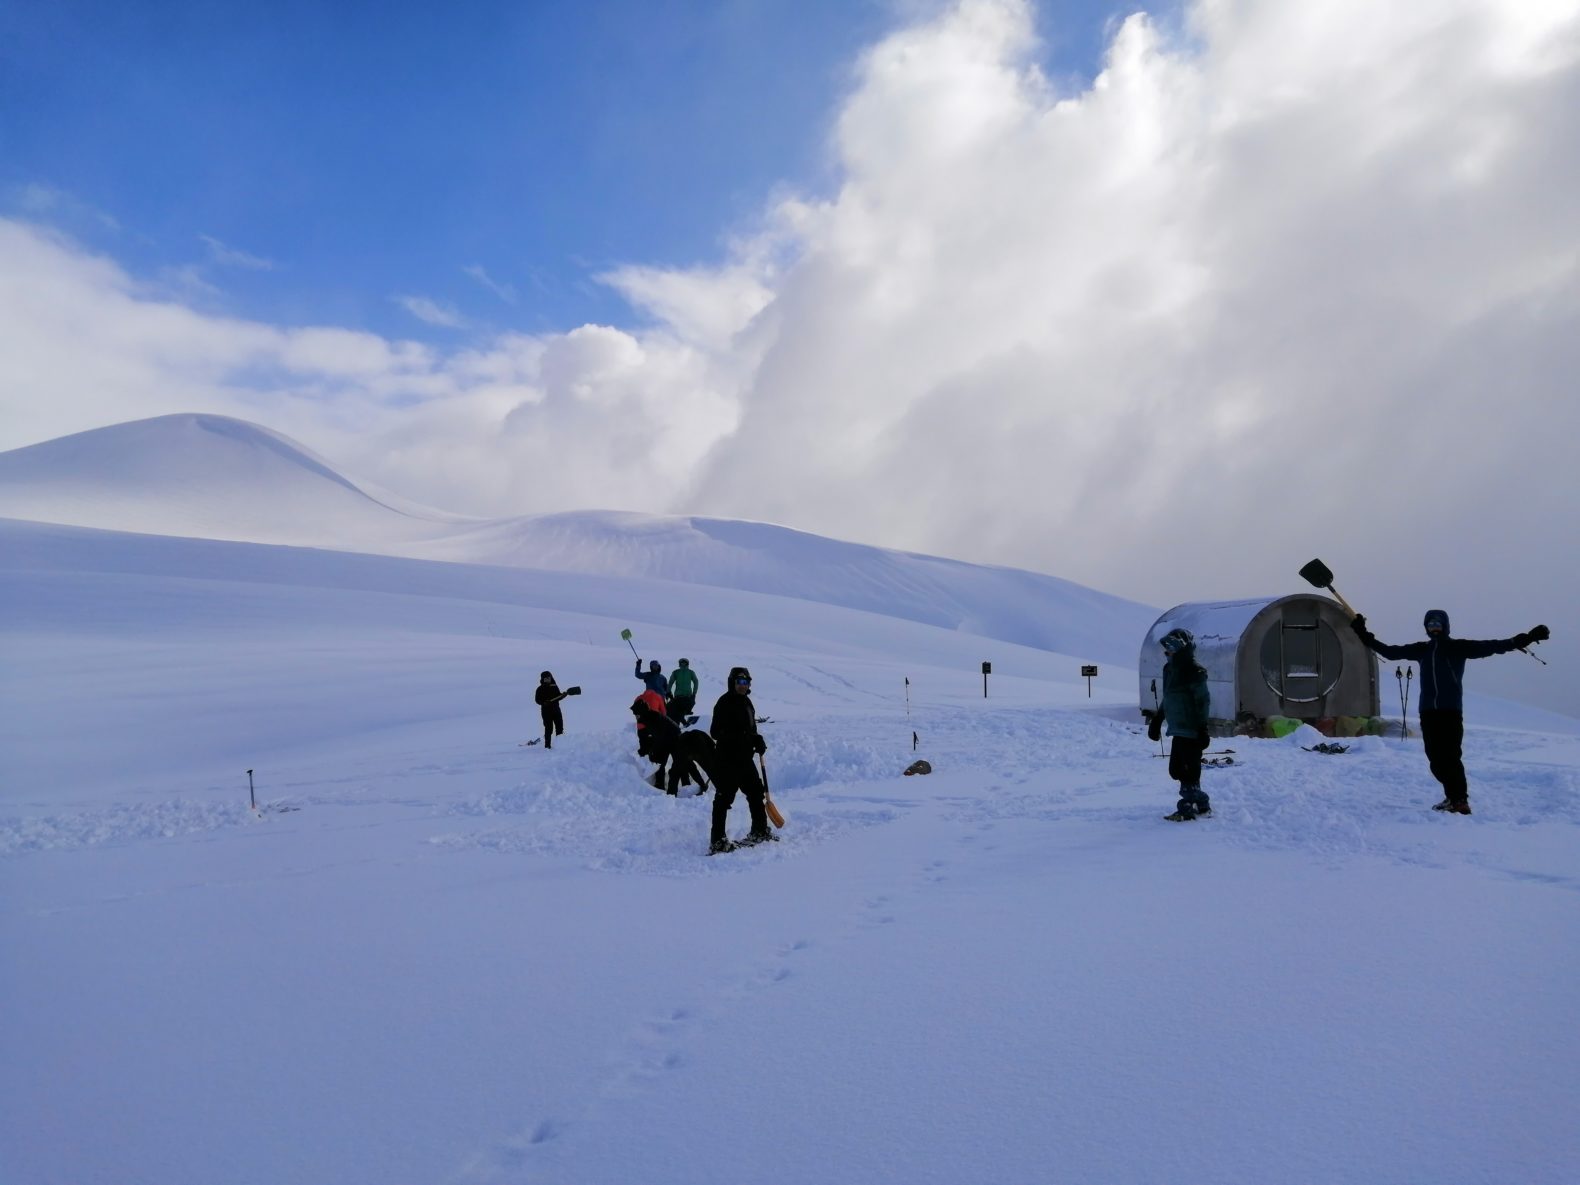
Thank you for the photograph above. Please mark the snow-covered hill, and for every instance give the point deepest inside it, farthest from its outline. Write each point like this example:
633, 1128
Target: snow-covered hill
218, 478
208, 477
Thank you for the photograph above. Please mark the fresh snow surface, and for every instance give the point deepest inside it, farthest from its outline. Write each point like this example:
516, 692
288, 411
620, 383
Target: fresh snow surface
436, 956
214, 477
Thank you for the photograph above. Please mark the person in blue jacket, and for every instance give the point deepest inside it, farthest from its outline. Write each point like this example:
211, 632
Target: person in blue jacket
653, 678
1442, 659
1185, 710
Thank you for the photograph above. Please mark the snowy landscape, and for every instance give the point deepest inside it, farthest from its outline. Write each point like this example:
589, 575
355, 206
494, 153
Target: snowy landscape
432, 953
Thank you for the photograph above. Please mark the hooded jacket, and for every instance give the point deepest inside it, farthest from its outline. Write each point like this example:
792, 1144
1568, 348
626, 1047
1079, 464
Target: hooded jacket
548, 692
734, 723
1441, 659
1186, 700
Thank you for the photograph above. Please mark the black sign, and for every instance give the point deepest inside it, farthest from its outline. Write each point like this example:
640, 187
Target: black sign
1089, 672
987, 668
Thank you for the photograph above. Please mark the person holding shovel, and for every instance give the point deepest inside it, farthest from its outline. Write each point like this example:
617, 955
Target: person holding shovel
548, 697
1442, 659
737, 742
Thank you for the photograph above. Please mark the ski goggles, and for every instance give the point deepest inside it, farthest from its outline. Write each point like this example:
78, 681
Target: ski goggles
743, 681
1172, 643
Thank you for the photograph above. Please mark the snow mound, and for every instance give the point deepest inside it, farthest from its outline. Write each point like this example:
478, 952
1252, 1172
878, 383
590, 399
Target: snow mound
204, 476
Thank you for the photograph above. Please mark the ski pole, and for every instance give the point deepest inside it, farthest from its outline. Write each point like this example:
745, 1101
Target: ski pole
1158, 704
1409, 677
1534, 655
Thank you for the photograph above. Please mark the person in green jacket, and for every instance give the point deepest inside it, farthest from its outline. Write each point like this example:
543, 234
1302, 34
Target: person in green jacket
682, 691
1185, 710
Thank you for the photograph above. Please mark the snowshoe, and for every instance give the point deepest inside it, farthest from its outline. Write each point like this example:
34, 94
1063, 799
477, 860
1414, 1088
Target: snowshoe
1453, 808
752, 838
1181, 817
721, 845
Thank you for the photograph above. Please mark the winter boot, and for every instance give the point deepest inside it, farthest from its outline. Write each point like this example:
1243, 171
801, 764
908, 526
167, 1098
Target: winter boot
1446, 805
1199, 802
721, 845
1183, 815
754, 837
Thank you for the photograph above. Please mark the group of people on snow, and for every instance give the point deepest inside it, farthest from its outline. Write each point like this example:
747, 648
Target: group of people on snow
1442, 657
726, 756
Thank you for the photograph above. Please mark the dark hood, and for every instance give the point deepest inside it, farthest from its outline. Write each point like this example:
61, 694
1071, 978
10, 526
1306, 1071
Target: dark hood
1441, 615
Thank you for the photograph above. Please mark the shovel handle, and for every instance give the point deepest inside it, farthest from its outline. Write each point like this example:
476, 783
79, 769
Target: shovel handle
1350, 609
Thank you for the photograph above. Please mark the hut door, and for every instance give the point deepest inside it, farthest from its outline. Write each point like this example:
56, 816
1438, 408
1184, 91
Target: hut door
1301, 656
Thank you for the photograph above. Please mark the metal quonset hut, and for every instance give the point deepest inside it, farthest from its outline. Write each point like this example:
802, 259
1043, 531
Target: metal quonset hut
1290, 656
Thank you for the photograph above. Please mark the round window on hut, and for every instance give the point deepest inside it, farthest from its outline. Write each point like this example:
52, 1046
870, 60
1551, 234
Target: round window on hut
1301, 656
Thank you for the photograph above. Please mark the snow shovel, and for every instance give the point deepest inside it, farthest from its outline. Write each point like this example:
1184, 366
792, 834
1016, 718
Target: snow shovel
775, 815
626, 634
1320, 575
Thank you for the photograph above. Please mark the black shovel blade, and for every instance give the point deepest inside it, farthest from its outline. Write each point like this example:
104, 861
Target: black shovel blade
1318, 574
573, 691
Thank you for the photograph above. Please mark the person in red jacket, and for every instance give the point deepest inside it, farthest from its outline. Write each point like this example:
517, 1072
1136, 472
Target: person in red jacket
654, 701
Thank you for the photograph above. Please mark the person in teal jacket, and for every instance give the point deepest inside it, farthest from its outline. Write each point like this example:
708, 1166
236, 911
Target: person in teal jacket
682, 691
1185, 710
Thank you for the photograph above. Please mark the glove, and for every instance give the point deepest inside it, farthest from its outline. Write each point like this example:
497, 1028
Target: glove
1155, 727
1540, 634
1359, 624
759, 745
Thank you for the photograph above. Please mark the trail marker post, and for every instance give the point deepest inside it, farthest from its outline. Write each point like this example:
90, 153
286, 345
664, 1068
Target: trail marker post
987, 669
1088, 673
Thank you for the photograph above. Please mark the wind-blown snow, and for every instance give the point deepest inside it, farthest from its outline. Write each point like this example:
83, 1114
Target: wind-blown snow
435, 955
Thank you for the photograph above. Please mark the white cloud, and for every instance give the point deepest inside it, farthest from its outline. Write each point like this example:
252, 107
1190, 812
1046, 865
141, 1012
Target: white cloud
1301, 279
227, 256
431, 312
505, 292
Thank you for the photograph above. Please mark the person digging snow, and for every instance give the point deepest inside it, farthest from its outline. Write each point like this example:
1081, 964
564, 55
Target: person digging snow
1442, 659
682, 692
737, 741
1185, 711
653, 678
548, 697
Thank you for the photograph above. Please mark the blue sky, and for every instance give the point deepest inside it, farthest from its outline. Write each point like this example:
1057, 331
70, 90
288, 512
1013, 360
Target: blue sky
365, 152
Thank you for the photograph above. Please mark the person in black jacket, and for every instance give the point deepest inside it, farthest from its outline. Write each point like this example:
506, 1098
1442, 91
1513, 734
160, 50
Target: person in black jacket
1442, 660
548, 697
736, 742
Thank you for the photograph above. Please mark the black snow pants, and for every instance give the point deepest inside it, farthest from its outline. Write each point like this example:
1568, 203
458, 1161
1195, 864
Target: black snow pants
1443, 731
737, 773
1185, 768
553, 724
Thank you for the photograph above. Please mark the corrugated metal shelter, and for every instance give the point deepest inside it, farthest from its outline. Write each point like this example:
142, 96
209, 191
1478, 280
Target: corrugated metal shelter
1277, 656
